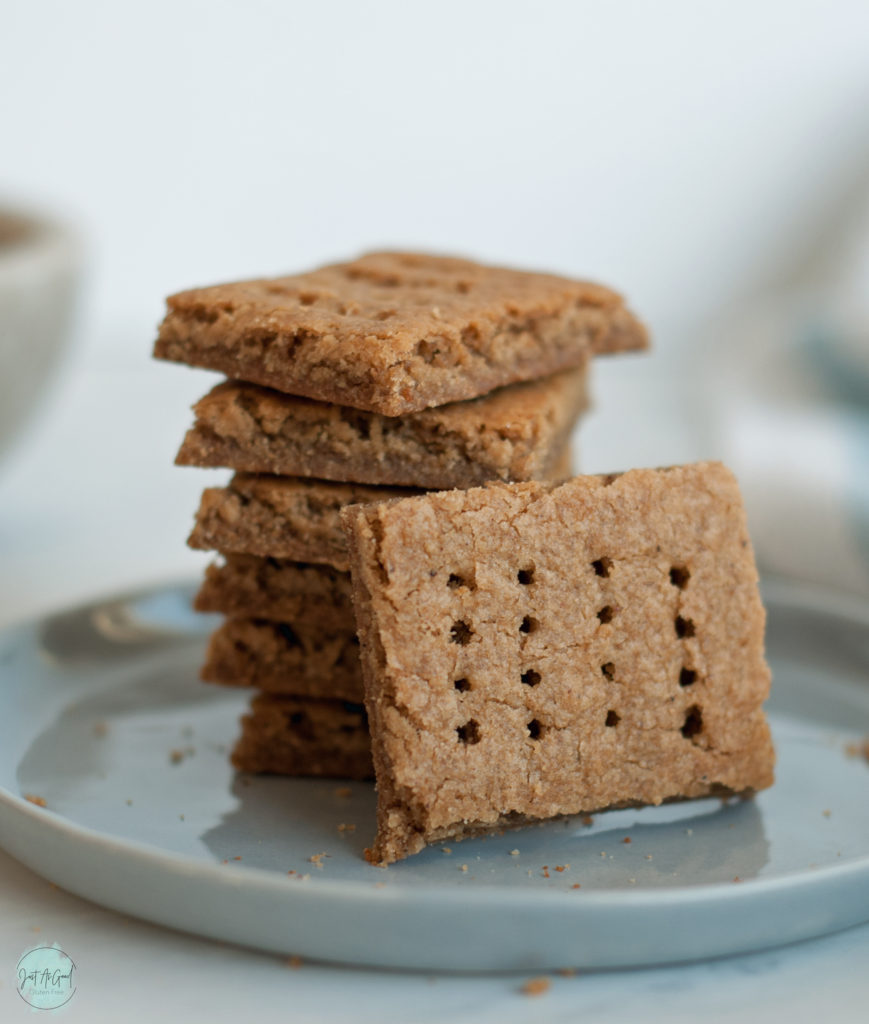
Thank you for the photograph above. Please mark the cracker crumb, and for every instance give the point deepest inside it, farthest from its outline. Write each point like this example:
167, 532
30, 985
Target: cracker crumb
446, 849
736, 878
576, 885
380, 885
128, 802
826, 813
343, 791
346, 828
464, 867
237, 858
689, 831
100, 728
562, 867
627, 839
859, 749
603, 853
648, 856
633, 881
545, 870
295, 962
566, 972
587, 819
317, 859
514, 853
536, 986
176, 756
181, 817
34, 799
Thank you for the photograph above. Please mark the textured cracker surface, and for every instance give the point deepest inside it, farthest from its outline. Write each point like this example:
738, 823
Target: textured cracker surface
250, 586
304, 736
277, 657
396, 332
514, 433
532, 650
292, 518
281, 517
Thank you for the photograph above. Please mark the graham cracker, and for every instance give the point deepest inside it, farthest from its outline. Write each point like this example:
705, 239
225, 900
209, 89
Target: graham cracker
297, 659
515, 433
533, 650
251, 586
293, 518
304, 736
395, 332
281, 517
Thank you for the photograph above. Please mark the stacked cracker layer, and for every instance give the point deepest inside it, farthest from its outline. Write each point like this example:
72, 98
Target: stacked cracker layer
358, 383
366, 404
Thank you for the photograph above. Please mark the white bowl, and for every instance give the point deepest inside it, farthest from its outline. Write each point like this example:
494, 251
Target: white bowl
40, 262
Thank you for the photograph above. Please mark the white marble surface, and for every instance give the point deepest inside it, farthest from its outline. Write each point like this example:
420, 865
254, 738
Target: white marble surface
136, 972
89, 503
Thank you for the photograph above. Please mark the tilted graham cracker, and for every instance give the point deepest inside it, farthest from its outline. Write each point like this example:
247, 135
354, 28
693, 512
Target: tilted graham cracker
533, 650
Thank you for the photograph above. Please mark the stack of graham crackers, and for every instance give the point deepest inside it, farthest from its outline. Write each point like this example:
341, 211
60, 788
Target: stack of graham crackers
530, 646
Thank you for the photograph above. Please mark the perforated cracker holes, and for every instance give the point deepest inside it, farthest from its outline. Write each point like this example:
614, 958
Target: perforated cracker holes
469, 733
456, 580
602, 566
461, 633
693, 724
679, 576
684, 627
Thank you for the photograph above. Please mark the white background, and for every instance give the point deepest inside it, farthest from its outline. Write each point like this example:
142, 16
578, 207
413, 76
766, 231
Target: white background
691, 154
683, 151
694, 155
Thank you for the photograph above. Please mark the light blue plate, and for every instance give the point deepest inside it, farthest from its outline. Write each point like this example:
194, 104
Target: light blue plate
96, 700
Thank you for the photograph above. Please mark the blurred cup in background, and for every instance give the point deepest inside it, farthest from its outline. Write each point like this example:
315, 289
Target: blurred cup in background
40, 269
